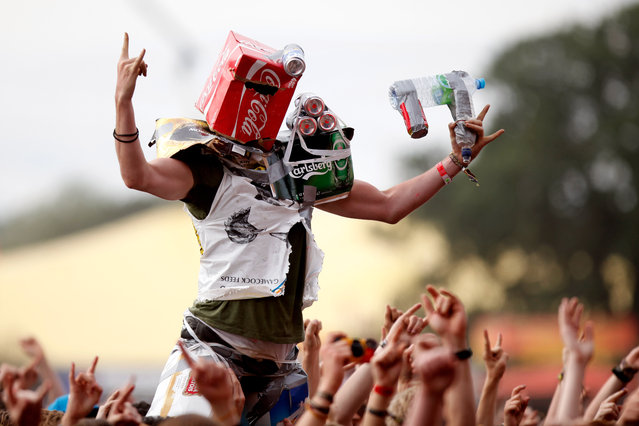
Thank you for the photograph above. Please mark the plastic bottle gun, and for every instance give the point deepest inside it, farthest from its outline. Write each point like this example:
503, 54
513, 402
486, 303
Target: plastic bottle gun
454, 89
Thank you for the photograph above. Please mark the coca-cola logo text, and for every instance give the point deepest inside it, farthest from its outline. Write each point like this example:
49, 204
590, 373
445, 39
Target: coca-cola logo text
257, 115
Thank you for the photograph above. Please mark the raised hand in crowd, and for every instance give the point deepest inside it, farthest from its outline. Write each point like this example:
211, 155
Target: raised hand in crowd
122, 412
447, 317
515, 406
436, 369
408, 324
531, 417
104, 409
630, 410
580, 346
24, 377
219, 385
84, 394
386, 367
495, 359
391, 314
551, 414
310, 353
335, 353
24, 405
31, 346
609, 410
405, 379
353, 393
623, 374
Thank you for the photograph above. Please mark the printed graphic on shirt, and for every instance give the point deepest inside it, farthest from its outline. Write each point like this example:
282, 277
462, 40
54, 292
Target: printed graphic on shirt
191, 387
280, 236
238, 228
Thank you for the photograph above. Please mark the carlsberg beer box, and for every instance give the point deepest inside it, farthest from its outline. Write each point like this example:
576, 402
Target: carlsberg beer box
332, 180
248, 92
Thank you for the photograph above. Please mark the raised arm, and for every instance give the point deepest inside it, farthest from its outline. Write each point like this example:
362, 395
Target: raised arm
625, 371
495, 360
31, 346
367, 202
164, 177
310, 353
579, 353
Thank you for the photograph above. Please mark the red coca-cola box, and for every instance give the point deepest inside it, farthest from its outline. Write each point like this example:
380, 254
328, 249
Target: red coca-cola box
248, 92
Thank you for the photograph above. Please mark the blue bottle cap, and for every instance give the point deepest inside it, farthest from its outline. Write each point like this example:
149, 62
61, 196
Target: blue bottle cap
480, 83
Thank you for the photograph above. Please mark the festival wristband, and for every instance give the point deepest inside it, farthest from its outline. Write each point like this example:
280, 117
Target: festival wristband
443, 174
384, 390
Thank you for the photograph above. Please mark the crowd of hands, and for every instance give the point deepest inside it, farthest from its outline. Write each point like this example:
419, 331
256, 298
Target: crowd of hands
414, 378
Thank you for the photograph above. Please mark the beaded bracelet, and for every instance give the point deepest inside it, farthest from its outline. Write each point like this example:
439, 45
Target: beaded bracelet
466, 170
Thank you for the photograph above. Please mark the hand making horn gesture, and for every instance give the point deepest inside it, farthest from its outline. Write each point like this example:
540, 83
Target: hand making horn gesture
128, 71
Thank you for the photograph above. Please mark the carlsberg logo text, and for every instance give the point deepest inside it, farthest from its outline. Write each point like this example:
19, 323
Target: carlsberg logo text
310, 169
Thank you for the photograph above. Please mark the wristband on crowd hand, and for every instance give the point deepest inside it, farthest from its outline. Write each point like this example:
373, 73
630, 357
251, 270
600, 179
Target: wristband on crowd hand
134, 136
318, 411
466, 170
464, 354
384, 390
377, 413
325, 395
624, 372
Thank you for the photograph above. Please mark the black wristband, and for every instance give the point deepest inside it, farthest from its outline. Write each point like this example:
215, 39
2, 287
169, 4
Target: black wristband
625, 375
119, 137
327, 396
323, 410
464, 354
378, 413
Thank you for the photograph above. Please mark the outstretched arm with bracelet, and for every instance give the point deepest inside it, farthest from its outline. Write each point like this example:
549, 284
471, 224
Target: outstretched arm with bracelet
367, 202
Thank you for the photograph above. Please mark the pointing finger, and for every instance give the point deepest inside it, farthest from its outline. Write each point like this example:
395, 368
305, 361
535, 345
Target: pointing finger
125, 47
486, 342
427, 304
483, 112
72, 373
615, 396
92, 368
412, 310
138, 60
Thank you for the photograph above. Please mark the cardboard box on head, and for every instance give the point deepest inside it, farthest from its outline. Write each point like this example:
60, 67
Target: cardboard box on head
248, 92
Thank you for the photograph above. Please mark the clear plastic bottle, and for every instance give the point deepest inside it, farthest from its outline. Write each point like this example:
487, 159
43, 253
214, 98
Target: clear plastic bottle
454, 89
